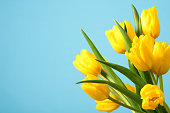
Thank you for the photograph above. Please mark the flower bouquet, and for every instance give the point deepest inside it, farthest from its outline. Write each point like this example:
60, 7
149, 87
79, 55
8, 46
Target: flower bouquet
148, 61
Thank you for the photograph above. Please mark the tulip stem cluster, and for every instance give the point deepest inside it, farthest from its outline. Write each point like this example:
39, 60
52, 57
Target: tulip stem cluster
148, 61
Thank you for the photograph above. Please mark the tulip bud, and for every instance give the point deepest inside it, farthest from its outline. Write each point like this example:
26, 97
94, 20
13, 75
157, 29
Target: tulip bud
150, 22
107, 105
152, 96
161, 58
116, 38
141, 52
96, 91
87, 64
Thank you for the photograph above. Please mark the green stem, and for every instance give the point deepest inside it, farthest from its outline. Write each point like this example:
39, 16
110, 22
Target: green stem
124, 105
101, 76
156, 78
142, 75
146, 76
153, 78
158, 110
150, 111
166, 107
132, 68
161, 83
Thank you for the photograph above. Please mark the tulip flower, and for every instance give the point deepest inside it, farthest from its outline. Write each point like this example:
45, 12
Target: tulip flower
141, 52
150, 22
161, 58
96, 91
107, 105
152, 96
87, 64
116, 39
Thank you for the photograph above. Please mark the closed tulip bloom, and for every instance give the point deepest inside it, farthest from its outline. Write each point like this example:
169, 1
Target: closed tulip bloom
161, 58
131, 88
87, 64
107, 105
150, 22
96, 91
116, 39
152, 96
141, 52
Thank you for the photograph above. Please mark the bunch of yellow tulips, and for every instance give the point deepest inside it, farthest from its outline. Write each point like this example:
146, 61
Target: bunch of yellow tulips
148, 61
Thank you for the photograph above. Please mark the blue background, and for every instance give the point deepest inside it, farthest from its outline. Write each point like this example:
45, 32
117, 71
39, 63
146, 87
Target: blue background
39, 39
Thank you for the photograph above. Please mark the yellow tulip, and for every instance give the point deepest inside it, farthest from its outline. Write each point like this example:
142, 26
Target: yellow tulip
107, 105
131, 88
152, 96
150, 22
141, 52
161, 58
116, 38
86, 63
96, 91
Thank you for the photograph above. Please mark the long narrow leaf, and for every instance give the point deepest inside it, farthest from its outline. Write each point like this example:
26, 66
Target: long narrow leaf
146, 76
128, 42
136, 79
116, 79
121, 89
132, 67
136, 20
124, 105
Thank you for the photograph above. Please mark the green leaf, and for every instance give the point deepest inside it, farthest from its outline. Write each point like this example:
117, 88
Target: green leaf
116, 94
132, 67
146, 76
138, 28
124, 105
121, 89
128, 42
115, 78
136, 79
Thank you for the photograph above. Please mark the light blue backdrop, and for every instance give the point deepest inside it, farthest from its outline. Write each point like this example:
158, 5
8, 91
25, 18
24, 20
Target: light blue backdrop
39, 39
